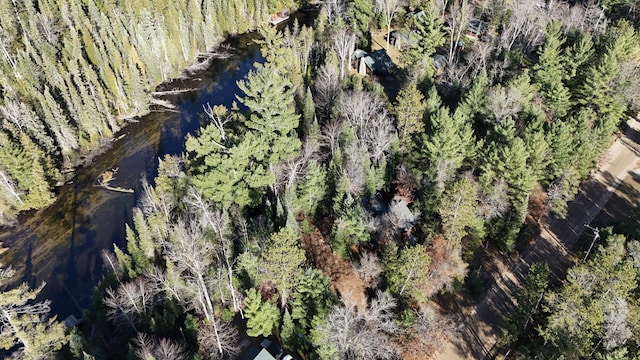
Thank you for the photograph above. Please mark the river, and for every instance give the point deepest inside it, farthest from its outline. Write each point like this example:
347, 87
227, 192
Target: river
61, 244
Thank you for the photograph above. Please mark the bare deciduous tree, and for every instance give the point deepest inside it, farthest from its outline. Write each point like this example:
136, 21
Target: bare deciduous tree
331, 132
151, 348
363, 333
494, 202
380, 135
11, 110
504, 102
354, 170
444, 172
389, 8
525, 25
131, 300
446, 265
369, 268
459, 15
218, 222
229, 340
327, 89
9, 187
5, 47
616, 325
334, 9
48, 27
344, 42
192, 255
219, 117
430, 333
358, 108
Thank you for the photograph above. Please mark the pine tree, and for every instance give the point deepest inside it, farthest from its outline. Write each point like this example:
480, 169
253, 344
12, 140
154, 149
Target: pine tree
311, 297
262, 317
272, 118
577, 57
235, 168
596, 91
430, 34
529, 297
549, 71
458, 210
409, 111
313, 189
562, 142
362, 14
24, 324
406, 271
591, 312
282, 262
450, 140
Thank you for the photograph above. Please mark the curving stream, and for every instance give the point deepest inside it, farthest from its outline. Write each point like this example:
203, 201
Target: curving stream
62, 243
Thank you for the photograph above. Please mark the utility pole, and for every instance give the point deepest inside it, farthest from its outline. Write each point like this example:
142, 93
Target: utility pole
596, 237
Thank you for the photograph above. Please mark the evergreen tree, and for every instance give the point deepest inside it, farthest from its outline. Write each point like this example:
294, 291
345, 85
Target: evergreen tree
409, 111
577, 57
25, 326
313, 189
449, 141
591, 312
529, 297
549, 71
262, 317
282, 262
596, 91
429, 32
268, 95
458, 210
311, 297
235, 168
406, 271
362, 14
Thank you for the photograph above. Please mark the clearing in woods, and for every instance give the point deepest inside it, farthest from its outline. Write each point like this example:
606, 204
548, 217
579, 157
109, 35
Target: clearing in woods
344, 280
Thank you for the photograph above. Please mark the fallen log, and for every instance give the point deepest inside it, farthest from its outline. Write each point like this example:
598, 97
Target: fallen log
173, 92
117, 189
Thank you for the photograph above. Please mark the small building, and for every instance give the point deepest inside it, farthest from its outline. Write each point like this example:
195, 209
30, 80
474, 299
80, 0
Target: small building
439, 62
404, 217
403, 40
476, 29
71, 321
375, 62
268, 350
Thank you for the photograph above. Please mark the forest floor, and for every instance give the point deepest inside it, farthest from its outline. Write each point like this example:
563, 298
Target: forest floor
343, 278
556, 245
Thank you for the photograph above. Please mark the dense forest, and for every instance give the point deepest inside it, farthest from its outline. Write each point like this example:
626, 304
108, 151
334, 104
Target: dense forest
324, 209
73, 73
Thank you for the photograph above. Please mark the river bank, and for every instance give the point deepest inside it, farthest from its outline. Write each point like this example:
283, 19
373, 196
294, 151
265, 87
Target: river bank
61, 244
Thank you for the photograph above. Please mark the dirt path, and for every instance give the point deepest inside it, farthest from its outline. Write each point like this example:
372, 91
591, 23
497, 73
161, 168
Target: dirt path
554, 245
343, 278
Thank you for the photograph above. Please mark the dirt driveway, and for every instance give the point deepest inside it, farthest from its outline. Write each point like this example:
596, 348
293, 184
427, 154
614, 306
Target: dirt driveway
482, 318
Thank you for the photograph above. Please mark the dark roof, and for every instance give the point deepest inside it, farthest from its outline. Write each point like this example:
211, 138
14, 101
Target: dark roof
377, 61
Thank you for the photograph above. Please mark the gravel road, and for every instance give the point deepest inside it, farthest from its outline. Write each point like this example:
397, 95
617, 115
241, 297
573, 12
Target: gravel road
554, 245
